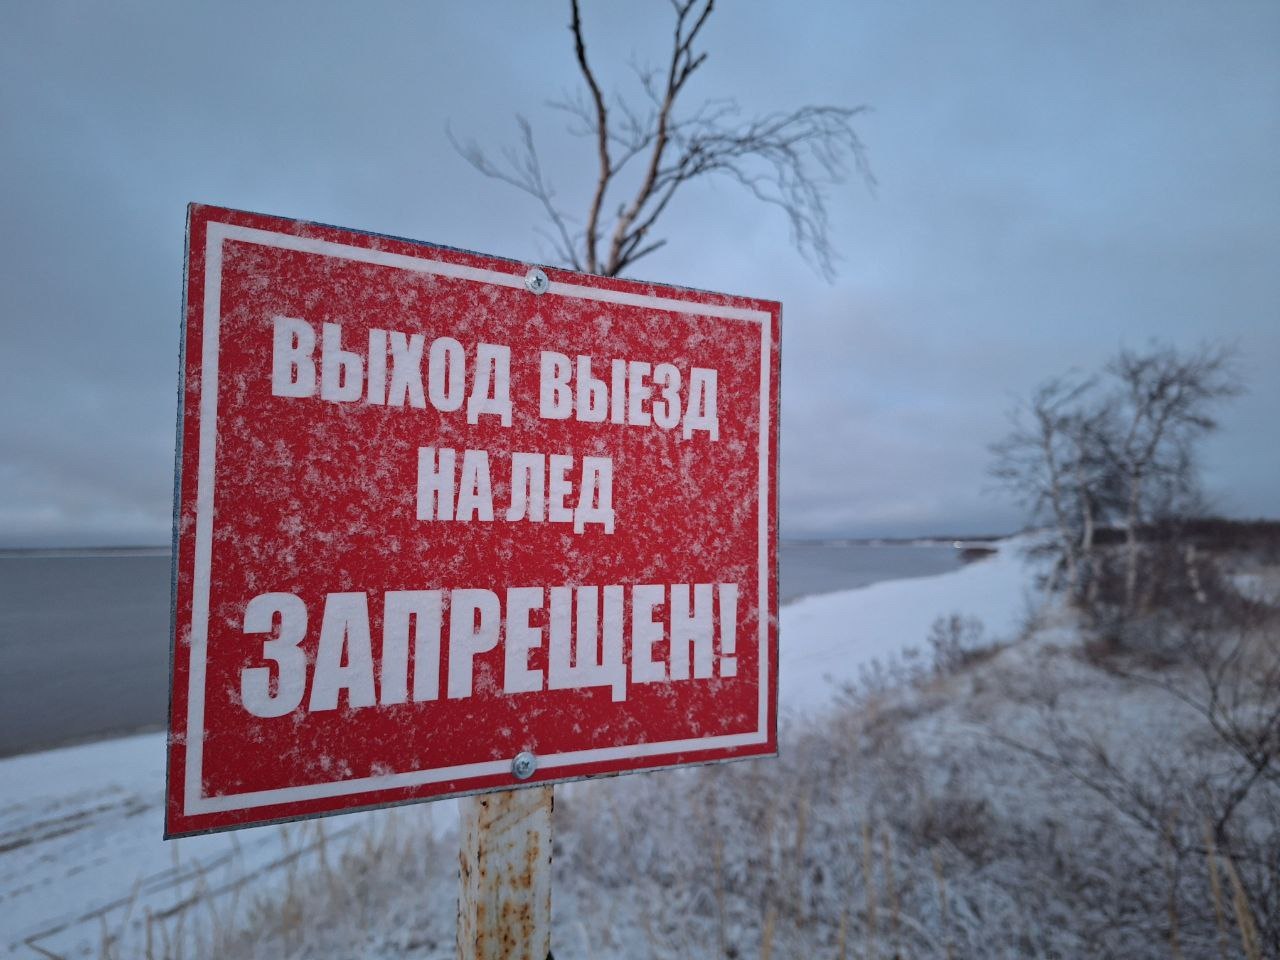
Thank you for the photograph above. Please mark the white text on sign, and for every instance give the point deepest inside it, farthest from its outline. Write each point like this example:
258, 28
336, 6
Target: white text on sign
402, 370
541, 488
584, 629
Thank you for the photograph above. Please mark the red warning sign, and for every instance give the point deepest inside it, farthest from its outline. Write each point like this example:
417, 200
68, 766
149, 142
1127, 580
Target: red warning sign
438, 511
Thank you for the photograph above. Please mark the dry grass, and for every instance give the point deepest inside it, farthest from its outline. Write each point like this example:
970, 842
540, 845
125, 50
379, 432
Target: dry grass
897, 827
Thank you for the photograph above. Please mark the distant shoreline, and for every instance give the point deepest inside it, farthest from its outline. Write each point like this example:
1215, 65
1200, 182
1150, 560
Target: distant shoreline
165, 550
930, 541
72, 552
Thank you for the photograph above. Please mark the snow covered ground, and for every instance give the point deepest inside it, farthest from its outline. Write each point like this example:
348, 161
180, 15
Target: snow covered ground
827, 641
83, 871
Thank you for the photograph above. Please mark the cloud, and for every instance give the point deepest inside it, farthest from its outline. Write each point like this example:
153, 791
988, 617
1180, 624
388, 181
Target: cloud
1055, 181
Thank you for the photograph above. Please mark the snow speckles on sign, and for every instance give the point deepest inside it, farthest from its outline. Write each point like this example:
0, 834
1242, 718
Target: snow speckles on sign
367, 425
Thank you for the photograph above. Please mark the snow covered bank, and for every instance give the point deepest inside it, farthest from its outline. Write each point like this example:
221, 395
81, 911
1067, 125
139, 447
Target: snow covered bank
827, 640
82, 862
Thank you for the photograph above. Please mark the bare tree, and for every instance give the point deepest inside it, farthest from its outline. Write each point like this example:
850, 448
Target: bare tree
1095, 485
1081, 459
1164, 403
786, 159
1050, 463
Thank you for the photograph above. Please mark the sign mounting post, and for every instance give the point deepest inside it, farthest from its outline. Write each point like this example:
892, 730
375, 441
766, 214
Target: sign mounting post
504, 871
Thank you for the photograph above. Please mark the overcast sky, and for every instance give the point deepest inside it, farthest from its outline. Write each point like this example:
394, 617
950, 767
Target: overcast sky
1056, 180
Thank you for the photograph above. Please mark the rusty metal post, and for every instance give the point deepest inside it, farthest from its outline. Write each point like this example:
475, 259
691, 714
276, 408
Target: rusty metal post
504, 900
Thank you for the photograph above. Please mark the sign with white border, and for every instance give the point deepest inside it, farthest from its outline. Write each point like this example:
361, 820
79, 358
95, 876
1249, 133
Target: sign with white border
446, 523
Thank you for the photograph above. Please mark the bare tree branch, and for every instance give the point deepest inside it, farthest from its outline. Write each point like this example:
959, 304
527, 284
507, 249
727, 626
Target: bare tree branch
785, 159
602, 139
683, 63
524, 172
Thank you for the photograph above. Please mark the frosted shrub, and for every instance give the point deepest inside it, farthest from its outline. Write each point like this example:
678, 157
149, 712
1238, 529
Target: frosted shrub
1024, 804
955, 641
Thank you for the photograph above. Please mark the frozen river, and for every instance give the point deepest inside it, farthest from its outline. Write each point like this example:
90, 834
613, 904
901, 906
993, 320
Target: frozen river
84, 639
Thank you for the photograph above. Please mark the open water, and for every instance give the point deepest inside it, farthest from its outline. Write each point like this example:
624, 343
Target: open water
84, 639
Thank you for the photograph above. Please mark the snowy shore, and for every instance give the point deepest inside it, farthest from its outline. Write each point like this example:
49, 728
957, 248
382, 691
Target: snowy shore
81, 859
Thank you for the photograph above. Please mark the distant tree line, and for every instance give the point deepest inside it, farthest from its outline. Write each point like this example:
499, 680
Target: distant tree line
1115, 452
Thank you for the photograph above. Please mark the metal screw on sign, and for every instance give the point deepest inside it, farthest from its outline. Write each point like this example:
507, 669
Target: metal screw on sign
536, 281
523, 765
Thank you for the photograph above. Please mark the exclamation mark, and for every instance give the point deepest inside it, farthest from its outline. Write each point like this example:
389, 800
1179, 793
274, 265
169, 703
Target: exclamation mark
728, 629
